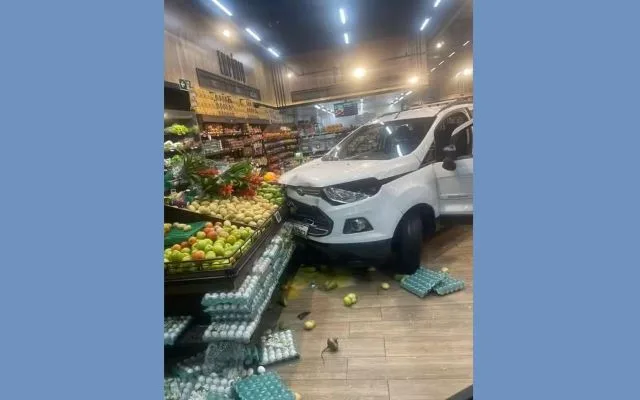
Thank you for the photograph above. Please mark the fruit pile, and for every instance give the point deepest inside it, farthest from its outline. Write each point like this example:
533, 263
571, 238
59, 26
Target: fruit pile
273, 193
177, 129
253, 212
178, 226
214, 242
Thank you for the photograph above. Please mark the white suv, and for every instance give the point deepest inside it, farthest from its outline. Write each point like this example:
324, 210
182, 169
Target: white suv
379, 190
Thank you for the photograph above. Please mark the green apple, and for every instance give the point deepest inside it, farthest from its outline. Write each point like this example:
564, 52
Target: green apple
228, 253
186, 250
201, 235
176, 255
219, 250
208, 248
231, 239
186, 257
201, 245
208, 241
210, 255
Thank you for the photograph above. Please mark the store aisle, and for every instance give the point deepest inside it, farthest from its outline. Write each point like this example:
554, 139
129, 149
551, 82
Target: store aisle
393, 345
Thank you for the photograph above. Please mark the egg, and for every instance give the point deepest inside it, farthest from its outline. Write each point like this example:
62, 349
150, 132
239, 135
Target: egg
261, 370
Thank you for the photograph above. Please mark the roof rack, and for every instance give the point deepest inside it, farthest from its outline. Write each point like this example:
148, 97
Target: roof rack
456, 102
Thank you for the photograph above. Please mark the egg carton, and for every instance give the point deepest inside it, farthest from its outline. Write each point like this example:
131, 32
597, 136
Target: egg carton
267, 386
173, 327
448, 285
224, 313
277, 347
422, 281
242, 331
246, 291
191, 366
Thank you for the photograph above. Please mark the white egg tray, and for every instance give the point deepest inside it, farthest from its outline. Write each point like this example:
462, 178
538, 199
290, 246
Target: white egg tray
242, 331
173, 327
245, 293
222, 313
277, 347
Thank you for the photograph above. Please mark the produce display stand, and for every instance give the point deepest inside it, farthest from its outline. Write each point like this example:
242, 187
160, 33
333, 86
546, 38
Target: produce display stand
184, 294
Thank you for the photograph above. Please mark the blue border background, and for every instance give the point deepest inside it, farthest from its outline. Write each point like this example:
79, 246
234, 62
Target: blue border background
556, 190
556, 216
80, 286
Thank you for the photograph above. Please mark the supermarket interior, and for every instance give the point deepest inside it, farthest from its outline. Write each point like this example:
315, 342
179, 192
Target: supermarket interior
318, 169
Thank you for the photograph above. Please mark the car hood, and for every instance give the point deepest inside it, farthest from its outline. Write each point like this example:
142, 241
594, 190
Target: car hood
318, 173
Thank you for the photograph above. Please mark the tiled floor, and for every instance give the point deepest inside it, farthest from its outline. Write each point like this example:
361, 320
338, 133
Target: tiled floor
393, 345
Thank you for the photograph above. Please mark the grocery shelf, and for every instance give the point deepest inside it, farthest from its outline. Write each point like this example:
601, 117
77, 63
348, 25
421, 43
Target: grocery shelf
171, 153
232, 120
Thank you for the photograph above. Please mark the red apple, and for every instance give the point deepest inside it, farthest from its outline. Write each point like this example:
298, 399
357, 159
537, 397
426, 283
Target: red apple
176, 247
192, 240
212, 235
184, 244
208, 225
197, 255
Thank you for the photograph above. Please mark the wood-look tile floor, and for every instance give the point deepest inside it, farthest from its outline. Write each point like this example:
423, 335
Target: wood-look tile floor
393, 345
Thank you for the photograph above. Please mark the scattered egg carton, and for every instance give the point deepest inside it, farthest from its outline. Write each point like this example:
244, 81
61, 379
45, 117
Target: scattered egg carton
173, 327
277, 347
267, 386
422, 281
448, 285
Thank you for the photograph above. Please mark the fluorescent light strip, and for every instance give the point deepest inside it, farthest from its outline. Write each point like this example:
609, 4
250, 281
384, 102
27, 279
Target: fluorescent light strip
316, 106
252, 33
466, 43
441, 62
346, 38
223, 8
433, 69
343, 16
272, 51
409, 92
452, 53
437, 3
426, 21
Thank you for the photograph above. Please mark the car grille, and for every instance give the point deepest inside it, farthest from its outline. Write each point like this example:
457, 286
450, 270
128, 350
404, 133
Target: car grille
318, 222
307, 191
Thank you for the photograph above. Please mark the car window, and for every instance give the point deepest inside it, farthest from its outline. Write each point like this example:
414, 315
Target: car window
442, 136
463, 141
381, 141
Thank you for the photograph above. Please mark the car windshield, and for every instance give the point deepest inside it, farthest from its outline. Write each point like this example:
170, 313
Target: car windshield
381, 141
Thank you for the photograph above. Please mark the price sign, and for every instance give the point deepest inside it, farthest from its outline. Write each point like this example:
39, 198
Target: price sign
185, 84
278, 217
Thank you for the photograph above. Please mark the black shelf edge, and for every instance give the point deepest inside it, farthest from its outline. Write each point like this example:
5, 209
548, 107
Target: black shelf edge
178, 114
171, 153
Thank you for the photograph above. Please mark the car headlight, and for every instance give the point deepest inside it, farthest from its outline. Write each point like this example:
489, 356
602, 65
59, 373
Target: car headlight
351, 192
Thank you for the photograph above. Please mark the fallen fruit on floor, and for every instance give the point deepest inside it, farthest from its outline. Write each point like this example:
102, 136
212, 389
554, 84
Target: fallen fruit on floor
385, 286
309, 325
444, 269
350, 299
297, 396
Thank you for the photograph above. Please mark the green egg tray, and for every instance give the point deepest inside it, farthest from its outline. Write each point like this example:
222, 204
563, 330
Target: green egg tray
448, 285
422, 281
268, 386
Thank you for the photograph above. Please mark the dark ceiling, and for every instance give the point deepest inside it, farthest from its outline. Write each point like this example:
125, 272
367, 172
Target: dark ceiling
299, 26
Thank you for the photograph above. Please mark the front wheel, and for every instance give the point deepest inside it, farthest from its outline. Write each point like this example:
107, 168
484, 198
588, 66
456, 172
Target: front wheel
408, 244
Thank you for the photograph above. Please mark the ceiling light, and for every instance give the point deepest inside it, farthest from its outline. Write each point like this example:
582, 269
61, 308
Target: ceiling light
437, 3
226, 33
413, 79
467, 71
409, 92
272, 51
441, 62
346, 38
252, 33
289, 75
426, 21
316, 106
361, 100
359, 72
439, 44
223, 8
466, 43
343, 16
433, 69
388, 130
452, 53
458, 74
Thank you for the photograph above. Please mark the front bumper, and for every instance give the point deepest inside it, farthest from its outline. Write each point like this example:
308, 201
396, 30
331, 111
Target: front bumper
326, 221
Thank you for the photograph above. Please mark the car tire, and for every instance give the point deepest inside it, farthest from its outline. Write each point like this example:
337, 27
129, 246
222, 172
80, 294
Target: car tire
408, 244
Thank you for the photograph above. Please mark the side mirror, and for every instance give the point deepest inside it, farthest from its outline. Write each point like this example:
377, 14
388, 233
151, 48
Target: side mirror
449, 162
